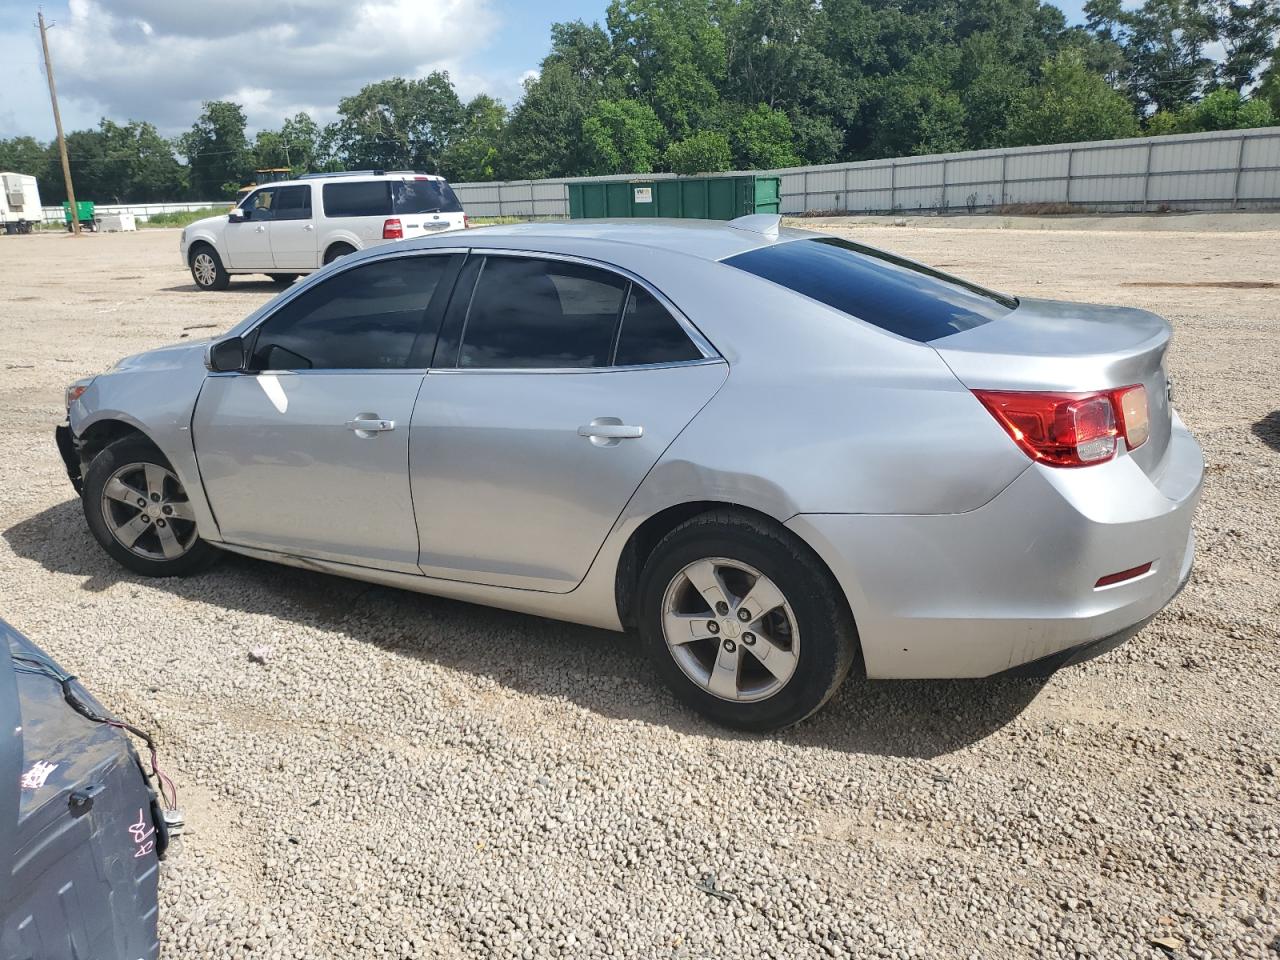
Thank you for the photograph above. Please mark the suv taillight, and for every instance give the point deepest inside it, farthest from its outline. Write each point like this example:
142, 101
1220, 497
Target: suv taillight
1070, 429
392, 230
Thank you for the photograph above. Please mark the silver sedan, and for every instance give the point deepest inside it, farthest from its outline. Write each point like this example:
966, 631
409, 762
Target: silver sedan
777, 455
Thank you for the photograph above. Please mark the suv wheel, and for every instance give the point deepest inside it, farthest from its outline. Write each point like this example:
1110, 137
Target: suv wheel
743, 621
139, 512
207, 270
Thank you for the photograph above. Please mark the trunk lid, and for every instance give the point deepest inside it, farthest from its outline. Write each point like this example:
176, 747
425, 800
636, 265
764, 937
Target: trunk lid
1051, 345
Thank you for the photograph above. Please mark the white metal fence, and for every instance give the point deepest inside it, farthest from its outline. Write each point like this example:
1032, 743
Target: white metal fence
141, 211
1228, 170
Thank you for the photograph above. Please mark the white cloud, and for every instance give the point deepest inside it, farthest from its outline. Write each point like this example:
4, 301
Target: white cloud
158, 59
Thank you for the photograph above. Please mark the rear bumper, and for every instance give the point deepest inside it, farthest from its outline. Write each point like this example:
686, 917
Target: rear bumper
1013, 582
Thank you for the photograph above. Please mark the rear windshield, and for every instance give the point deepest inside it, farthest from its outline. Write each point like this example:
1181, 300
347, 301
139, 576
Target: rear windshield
423, 196
905, 298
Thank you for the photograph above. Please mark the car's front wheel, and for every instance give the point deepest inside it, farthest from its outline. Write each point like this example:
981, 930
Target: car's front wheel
207, 269
137, 509
744, 622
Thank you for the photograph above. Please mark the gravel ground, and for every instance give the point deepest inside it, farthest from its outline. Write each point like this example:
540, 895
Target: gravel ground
413, 777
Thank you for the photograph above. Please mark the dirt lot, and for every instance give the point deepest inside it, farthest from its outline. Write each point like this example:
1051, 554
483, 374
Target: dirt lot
409, 776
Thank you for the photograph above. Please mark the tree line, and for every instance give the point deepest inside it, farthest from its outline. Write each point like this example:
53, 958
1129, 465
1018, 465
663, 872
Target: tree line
700, 86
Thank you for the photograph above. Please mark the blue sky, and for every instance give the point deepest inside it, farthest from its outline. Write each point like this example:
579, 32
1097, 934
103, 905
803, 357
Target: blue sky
158, 59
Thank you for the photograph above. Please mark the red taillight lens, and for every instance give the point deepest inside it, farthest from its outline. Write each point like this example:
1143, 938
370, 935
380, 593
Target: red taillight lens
1070, 429
392, 230
1060, 429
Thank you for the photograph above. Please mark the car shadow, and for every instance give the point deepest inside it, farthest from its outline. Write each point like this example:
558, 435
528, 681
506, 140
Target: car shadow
1268, 430
599, 670
237, 285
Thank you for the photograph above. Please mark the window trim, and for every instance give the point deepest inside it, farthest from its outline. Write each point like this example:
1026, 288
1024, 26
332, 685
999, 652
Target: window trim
700, 342
250, 335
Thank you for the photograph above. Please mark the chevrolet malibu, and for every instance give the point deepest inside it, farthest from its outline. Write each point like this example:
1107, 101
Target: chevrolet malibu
779, 456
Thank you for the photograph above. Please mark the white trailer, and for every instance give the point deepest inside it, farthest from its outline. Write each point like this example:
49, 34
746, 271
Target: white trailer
19, 203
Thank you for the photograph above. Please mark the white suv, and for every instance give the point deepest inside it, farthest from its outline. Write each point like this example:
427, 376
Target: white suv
296, 226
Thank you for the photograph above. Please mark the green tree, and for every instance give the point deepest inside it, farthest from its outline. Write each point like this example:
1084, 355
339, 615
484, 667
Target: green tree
397, 124
543, 137
1247, 33
1072, 104
23, 155
1221, 110
217, 151
706, 151
473, 155
763, 139
1163, 44
621, 136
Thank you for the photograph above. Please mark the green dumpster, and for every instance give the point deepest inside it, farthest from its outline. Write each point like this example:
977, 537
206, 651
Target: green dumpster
85, 211
706, 198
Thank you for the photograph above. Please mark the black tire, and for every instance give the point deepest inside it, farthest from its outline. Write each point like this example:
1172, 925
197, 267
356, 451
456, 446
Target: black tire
283, 279
211, 276
336, 251
828, 639
124, 452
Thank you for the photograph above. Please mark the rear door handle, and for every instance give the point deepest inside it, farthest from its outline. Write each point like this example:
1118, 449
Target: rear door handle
607, 431
368, 426
309, 226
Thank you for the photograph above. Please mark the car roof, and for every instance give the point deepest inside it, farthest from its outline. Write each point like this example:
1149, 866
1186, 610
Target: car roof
705, 239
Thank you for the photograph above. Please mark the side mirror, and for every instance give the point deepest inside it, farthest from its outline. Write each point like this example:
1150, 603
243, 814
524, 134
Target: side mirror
225, 356
238, 215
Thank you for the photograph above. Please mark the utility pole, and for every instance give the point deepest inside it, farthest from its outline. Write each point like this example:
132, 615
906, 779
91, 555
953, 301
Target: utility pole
57, 122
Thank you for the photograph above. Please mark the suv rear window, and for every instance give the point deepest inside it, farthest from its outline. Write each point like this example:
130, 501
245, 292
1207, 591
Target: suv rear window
911, 300
423, 196
361, 198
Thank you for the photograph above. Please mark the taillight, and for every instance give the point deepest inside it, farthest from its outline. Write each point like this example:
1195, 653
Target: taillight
392, 230
1131, 407
1070, 429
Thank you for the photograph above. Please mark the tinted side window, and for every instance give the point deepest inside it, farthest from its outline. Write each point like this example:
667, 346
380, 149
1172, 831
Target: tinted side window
366, 318
363, 198
423, 196
541, 313
895, 294
650, 334
293, 203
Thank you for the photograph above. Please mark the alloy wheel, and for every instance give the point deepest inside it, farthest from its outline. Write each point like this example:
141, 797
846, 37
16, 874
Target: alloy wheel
204, 268
730, 629
148, 512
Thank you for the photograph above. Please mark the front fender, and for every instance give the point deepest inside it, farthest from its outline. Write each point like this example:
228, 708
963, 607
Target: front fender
159, 403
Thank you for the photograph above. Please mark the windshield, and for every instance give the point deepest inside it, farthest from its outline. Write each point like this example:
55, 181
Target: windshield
895, 294
423, 196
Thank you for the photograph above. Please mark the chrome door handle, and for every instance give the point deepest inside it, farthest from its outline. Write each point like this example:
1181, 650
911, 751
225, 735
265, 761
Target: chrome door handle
309, 226
367, 426
607, 431
262, 229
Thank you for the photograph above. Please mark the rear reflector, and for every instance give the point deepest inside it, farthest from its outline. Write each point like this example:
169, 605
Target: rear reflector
1070, 429
1122, 576
392, 230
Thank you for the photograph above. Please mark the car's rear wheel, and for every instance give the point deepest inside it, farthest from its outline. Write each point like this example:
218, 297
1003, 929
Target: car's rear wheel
207, 269
283, 279
338, 250
744, 622
137, 509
